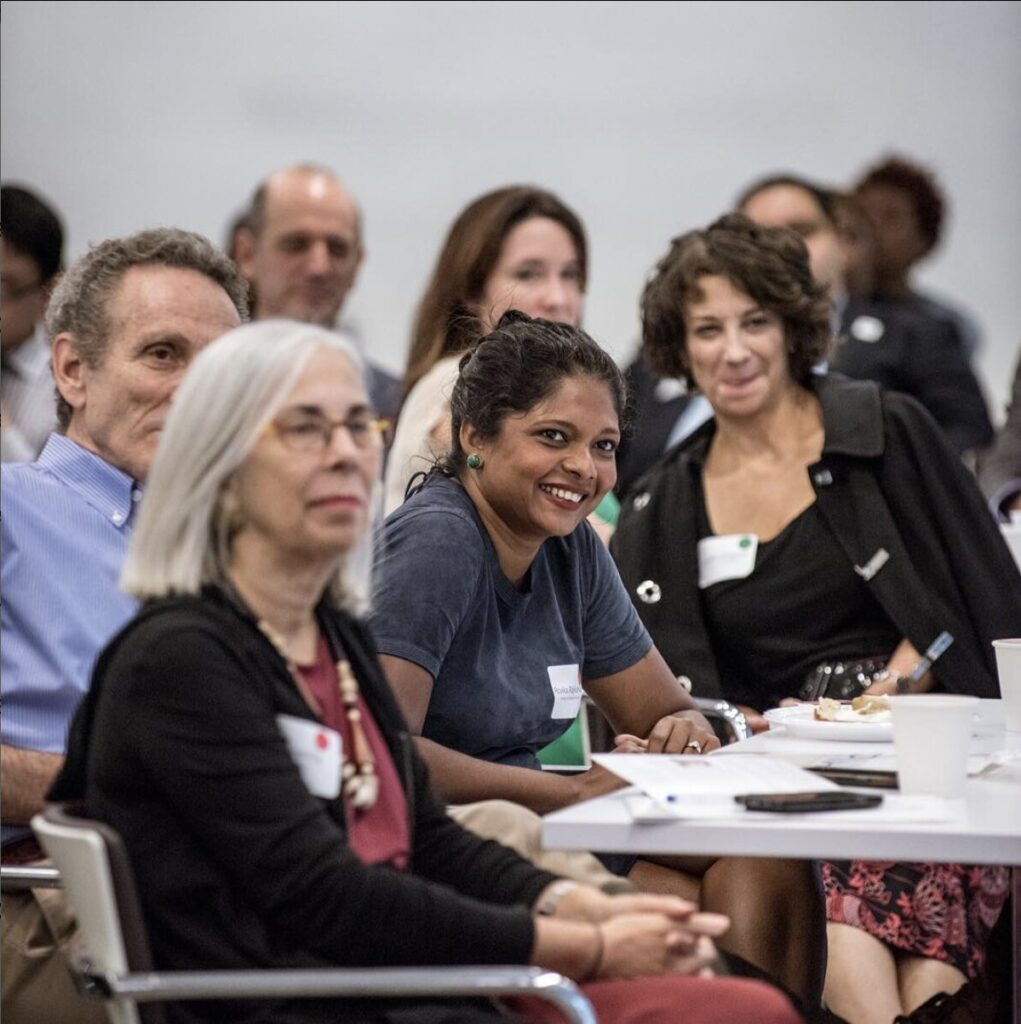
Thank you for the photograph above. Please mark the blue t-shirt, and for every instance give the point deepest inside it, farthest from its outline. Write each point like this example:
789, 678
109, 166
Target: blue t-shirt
507, 663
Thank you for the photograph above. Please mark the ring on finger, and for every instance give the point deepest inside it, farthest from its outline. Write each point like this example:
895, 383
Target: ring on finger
695, 745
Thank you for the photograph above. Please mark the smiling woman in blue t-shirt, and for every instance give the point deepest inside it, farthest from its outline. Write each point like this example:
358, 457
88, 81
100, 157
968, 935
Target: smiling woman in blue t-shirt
496, 607
521, 607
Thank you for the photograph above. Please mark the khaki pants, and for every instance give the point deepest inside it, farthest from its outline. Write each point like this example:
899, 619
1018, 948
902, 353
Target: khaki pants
36, 982
521, 829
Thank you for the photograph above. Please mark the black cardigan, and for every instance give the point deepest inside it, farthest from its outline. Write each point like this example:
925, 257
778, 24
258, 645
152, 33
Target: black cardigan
238, 865
886, 480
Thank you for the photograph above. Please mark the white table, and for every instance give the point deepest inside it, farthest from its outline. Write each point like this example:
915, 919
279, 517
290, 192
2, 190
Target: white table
986, 830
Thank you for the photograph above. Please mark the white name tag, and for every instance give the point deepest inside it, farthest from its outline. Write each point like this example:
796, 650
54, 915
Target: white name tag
728, 557
318, 753
565, 680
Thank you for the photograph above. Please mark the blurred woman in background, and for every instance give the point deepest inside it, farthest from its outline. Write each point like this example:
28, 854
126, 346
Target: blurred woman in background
517, 247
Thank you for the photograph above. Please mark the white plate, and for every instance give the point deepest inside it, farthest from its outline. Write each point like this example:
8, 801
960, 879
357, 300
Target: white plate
801, 722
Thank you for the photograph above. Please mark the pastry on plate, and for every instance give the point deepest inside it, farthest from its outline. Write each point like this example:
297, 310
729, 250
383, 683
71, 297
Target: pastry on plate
865, 708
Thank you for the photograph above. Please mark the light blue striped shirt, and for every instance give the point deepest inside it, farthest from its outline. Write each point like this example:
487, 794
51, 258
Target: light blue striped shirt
66, 521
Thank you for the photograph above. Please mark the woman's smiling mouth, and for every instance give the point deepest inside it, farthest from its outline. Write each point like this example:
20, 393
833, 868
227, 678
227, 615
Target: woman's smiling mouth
575, 497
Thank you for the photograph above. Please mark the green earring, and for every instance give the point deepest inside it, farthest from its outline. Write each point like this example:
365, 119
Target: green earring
474, 461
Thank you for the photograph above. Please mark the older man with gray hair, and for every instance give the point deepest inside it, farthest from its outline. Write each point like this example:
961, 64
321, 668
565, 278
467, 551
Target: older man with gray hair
124, 323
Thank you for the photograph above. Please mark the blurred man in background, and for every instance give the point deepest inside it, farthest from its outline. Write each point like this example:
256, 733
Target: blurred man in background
878, 339
300, 246
33, 244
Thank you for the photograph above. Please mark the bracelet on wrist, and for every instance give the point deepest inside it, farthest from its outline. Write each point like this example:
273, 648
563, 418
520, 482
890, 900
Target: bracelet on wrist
891, 675
597, 961
550, 899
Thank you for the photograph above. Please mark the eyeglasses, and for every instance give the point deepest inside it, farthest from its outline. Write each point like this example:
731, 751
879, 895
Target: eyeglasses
312, 433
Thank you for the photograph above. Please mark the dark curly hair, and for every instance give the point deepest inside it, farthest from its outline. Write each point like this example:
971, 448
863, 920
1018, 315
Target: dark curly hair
768, 264
514, 367
920, 186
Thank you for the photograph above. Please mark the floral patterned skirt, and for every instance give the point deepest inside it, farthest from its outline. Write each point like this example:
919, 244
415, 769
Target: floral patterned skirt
941, 911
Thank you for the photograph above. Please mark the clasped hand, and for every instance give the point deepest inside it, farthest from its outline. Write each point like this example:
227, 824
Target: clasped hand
647, 934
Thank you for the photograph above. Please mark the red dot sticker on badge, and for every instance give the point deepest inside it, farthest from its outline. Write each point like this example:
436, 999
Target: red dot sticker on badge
322, 740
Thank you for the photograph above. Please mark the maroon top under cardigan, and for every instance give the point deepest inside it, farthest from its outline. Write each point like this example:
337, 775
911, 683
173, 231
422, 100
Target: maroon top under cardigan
377, 834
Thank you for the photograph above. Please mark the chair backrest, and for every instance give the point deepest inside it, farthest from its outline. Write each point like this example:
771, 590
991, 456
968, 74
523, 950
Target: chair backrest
100, 887
115, 954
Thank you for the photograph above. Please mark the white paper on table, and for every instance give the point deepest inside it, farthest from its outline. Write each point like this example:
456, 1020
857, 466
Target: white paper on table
894, 809
706, 786
977, 763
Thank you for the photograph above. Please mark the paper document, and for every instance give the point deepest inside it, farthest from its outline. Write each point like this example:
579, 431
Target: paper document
977, 763
706, 786
894, 809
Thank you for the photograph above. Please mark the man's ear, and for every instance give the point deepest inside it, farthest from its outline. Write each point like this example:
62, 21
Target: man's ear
68, 370
359, 257
244, 252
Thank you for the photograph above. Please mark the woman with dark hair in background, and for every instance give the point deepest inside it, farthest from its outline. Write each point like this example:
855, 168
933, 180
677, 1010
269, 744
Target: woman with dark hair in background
518, 247
816, 520
906, 209
526, 612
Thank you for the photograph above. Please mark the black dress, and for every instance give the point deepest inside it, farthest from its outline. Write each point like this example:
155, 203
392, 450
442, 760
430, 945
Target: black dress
827, 613
941, 911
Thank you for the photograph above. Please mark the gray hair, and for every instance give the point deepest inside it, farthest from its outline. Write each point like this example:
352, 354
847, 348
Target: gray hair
80, 301
231, 391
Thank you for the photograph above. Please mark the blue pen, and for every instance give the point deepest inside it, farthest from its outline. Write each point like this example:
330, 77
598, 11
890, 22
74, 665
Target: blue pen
933, 653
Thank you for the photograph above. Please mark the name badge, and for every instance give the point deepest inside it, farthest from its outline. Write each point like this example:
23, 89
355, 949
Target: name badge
565, 681
727, 557
317, 751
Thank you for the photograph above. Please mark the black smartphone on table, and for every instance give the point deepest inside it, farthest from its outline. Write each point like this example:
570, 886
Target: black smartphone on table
866, 778
802, 803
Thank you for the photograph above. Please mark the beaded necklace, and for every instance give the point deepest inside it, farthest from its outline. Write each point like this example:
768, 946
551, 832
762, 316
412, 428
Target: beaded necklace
359, 782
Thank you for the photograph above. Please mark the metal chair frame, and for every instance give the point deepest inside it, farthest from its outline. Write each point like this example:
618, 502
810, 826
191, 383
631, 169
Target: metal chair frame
18, 878
114, 962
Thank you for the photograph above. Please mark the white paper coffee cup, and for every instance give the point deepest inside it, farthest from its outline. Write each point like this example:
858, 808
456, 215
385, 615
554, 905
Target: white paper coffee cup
931, 734
1008, 668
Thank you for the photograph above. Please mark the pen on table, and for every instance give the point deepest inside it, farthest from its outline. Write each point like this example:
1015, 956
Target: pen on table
933, 652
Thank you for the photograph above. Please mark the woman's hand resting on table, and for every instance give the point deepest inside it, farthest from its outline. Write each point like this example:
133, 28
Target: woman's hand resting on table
672, 734
686, 732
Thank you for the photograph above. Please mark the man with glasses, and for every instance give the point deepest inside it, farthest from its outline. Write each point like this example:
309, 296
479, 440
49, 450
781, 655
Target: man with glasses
32, 245
124, 324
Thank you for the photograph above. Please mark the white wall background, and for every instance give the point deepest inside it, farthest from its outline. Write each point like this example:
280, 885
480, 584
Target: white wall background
646, 117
